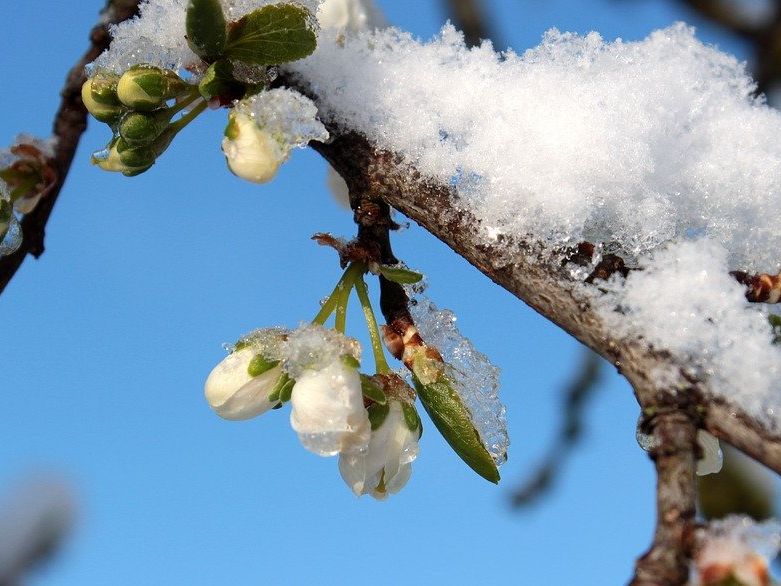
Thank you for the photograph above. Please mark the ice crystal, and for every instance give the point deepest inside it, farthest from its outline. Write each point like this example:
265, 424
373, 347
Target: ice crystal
476, 379
287, 115
312, 347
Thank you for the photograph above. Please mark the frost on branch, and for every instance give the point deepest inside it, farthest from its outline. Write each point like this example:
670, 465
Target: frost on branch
476, 379
631, 144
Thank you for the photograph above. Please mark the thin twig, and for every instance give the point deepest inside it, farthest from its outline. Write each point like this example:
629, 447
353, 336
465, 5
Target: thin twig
70, 122
469, 16
667, 561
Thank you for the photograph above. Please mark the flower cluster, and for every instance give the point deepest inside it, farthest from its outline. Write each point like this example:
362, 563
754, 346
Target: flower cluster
370, 422
139, 107
27, 174
233, 64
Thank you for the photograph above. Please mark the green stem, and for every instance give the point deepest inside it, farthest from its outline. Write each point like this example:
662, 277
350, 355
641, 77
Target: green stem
189, 117
371, 323
343, 287
183, 103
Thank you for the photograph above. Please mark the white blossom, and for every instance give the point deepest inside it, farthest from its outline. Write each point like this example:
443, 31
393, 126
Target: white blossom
385, 467
328, 412
235, 394
251, 152
264, 129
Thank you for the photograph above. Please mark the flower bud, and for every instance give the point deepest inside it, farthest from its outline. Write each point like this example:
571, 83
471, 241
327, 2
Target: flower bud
111, 159
328, 412
241, 386
107, 111
138, 128
251, 152
385, 467
146, 88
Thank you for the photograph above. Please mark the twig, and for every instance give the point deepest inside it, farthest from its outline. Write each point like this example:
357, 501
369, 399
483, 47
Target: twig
667, 561
70, 122
576, 394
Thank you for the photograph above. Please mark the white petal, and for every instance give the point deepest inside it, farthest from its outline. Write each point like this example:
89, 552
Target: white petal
233, 393
328, 412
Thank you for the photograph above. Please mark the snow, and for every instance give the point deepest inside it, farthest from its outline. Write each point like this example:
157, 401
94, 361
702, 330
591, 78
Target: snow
157, 35
633, 144
476, 378
685, 302
312, 348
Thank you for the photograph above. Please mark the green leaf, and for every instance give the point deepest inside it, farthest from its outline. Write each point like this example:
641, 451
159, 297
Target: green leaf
400, 275
218, 81
454, 422
260, 364
377, 415
372, 390
206, 28
274, 34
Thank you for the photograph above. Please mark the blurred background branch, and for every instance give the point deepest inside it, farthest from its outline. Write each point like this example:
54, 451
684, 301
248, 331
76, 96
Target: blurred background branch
581, 388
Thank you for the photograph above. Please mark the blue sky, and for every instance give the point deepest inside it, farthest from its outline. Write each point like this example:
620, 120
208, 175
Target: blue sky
109, 337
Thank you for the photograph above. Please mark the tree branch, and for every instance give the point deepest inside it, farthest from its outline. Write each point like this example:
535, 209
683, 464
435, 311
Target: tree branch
70, 122
667, 561
469, 17
521, 269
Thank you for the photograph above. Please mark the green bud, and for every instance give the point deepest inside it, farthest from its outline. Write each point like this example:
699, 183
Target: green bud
146, 88
108, 113
110, 159
135, 156
138, 128
103, 88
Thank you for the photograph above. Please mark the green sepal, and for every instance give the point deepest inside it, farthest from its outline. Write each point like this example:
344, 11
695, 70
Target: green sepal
350, 361
206, 28
377, 414
218, 81
454, 422
101, 111
260, 364
138, 128
146, 88
278, 391
278, 33
372, 390
400, 275
286, 392
775, 323
411, 417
